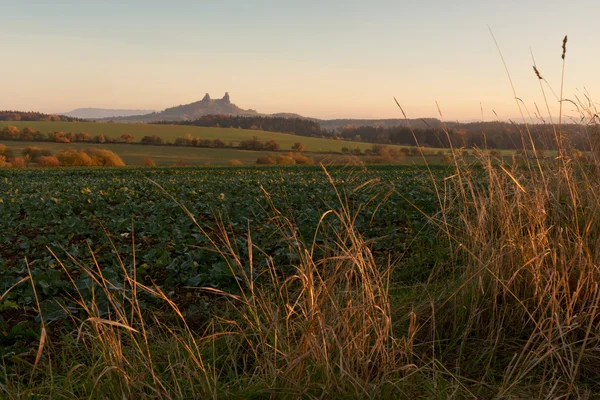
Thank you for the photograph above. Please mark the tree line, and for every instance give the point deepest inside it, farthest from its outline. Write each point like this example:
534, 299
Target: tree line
296, 126
491, 135
7, 115
32, 155
428, 133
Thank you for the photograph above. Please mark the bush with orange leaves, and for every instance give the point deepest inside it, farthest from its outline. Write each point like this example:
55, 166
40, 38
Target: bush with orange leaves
48, 161
104, 158
89, 158
149, 162
75, 158
18, 162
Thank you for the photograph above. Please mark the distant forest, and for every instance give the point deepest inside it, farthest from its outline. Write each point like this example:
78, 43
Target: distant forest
428, 133
296, 126
34, 116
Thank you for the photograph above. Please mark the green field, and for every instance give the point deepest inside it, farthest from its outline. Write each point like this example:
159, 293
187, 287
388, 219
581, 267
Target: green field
81, 200
134, 154
244, 282
171, 132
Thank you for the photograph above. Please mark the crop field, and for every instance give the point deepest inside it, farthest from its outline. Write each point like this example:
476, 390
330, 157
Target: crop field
206, 279
60, 216
171, 132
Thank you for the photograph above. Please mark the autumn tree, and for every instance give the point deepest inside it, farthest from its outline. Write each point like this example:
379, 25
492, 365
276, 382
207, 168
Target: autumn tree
10, 133
48, 161
252, 144
299, 147
82, 137
74, 158
100, 139
271, 145
33, 153
27, 134
152, 140
126, 138
104, 158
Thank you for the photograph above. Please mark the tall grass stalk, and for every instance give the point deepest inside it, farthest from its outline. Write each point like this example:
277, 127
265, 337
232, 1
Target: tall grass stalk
517, 316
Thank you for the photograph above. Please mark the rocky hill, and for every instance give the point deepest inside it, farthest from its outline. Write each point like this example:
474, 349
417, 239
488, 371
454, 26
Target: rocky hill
192, 111
98, 113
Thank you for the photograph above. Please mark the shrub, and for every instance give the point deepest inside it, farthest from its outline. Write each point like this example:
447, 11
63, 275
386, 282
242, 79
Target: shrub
149, 162
48, 161
74, 158
285, 160
2, 149
58, 137
100, 139
299, 147
235, 163
272, 145
82, 137
300, 159
104, 158
18, 162
152, 140
266, 160
2, 161
126, 138
10, 132
33, 153
252, 144
27, 134
397, 154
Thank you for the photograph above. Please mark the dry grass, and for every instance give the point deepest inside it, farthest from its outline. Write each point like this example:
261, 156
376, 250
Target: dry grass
513, 313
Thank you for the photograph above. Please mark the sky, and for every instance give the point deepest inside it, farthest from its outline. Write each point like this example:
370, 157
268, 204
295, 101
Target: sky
324, 59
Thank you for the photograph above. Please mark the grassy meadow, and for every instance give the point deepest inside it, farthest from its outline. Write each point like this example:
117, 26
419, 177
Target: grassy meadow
134, 154
171, 132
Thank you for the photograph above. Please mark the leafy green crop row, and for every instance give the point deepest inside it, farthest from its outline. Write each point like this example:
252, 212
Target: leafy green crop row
78, 212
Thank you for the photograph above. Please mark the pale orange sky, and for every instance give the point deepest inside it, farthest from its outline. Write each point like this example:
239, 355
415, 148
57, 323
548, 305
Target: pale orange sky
339, 59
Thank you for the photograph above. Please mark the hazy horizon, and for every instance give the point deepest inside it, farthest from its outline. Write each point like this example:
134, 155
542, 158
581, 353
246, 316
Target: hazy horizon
334, 60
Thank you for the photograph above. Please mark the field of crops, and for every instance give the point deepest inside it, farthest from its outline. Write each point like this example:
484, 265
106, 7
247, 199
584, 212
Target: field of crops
76, 212
171, 132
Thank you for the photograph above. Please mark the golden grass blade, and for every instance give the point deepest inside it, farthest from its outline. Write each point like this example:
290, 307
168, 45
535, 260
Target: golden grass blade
513, 178
103, 321
38, 356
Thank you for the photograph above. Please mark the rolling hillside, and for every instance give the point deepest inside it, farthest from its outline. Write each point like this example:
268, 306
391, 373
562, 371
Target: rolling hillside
171, 132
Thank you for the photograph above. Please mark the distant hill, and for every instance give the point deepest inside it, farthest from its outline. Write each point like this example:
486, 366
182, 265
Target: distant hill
290, 115
192, 111
99, 113
224, 106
